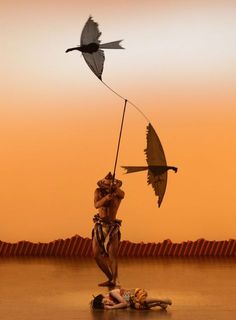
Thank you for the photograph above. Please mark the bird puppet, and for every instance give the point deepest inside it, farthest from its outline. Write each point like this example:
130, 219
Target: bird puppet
93, 54
91, 48
157, 167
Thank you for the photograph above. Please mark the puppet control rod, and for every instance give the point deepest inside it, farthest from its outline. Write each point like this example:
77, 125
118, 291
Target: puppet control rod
122, 122
118, 146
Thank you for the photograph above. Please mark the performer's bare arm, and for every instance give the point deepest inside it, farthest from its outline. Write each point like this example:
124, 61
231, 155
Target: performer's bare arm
100, 202
119, 193
122, 303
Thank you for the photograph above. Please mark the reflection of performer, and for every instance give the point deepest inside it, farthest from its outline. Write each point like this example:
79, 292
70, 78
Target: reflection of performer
123, 298
106, 232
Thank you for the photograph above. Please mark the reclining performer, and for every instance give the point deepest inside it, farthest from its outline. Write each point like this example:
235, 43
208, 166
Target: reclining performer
123, 298
106, 231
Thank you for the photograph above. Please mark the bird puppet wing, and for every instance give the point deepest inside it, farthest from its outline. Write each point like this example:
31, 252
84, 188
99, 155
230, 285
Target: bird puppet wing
155, 157
157, 166
90, 34
95, 61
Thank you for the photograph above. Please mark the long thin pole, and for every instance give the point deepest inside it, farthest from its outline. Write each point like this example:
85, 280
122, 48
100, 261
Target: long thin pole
118, 146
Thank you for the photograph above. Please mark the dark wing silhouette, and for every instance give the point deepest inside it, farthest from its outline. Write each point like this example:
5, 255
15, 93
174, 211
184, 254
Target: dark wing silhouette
155, 157
90, 33
95, 60
154, 152
157, 166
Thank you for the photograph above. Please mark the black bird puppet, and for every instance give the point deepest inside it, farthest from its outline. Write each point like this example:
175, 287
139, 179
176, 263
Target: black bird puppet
91, 48
157, 167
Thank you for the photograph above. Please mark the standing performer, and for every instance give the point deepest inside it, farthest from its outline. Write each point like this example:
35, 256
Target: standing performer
106, 232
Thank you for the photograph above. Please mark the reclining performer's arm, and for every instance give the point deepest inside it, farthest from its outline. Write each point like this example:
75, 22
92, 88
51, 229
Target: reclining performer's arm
122, 303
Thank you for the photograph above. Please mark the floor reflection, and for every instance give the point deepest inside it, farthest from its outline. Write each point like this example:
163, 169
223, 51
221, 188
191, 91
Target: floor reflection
127, 314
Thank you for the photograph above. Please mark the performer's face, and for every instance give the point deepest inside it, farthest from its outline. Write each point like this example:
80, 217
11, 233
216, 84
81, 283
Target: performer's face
106, 301
107, 184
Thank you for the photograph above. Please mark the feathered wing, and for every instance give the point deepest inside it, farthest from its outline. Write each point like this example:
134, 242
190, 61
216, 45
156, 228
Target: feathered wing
157, 166
155, 156
90, 33
158, 183
95, 61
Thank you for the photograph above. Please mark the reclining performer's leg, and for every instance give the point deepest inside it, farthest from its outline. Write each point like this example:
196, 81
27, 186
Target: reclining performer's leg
154, 302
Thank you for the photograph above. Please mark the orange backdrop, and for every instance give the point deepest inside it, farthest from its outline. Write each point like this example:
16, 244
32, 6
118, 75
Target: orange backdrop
59, 125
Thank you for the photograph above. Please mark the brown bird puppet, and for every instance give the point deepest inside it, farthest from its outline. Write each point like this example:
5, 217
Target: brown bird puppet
91, 48
157, 167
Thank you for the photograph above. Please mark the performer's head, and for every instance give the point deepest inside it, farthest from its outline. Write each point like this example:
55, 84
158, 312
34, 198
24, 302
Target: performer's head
108, 181
100, 301
97, 302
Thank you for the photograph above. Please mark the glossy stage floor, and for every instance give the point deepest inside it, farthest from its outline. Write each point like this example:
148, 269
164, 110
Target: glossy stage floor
61, 288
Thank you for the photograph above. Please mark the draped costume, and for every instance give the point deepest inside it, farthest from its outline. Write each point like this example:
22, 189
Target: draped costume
135, 297
104, 231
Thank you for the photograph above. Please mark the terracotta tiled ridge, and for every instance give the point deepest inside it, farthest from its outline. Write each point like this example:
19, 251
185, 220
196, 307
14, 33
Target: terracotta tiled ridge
82, 247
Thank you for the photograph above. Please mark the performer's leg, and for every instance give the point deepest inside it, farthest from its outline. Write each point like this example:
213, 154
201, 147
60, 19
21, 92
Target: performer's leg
112, 251
101, 262
154, 302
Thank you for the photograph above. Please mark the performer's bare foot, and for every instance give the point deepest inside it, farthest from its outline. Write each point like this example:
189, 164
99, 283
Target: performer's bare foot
168, 301
163, 306
118, 285
107, 284
112, 284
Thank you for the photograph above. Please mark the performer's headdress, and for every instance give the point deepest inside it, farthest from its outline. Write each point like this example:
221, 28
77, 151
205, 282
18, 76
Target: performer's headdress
104, 183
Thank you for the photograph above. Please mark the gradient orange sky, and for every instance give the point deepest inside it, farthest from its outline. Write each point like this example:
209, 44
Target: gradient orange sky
59, 124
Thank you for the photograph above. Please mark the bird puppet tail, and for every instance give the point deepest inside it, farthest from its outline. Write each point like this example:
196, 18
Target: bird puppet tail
130, 169
111, 45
